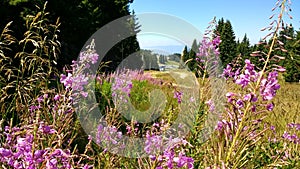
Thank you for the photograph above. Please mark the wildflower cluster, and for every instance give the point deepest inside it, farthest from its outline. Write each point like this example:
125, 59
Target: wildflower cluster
292, 137
21, 151
178, 96
140, 75
172, 148
121, 87
163, 151
122, 82
109, 138
172, 156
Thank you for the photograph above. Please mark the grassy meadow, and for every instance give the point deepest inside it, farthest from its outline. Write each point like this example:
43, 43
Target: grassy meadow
243, 117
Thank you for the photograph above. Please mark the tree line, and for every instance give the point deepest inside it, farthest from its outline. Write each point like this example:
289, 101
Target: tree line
79, 20
234, 51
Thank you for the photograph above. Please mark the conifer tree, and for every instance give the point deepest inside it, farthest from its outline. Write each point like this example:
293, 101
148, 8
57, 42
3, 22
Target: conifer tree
292, 61
228, 44
243, 47
185, 54
192, 56
220, 27
79, 20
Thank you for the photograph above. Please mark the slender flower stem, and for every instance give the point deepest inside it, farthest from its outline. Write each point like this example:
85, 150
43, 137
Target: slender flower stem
241, 124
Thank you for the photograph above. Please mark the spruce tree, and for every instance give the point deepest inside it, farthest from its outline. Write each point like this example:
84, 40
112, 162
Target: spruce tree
243, 48
79, 20
228, 43
183, 58
192, 56
219, 27
292, 61
185, 55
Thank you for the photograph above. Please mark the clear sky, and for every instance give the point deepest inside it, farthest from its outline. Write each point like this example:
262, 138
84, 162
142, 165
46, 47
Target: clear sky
246, 16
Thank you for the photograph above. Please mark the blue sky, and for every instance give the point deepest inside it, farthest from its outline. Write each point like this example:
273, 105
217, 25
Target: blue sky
245, 16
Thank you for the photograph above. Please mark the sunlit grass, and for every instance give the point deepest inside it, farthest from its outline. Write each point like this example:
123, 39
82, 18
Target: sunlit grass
287, 106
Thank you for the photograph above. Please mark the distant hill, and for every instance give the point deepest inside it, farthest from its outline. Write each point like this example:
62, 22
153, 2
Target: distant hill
166, 50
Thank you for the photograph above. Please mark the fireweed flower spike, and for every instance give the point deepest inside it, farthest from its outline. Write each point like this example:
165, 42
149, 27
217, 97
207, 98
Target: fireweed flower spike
122, 85
242, 104
259, 83
78, 78
208, 47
